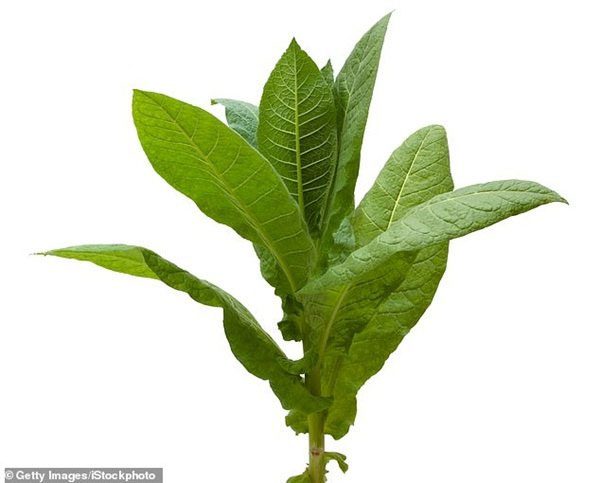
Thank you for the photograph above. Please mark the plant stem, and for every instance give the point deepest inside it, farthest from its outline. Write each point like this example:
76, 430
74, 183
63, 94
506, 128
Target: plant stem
316, 433
316, 447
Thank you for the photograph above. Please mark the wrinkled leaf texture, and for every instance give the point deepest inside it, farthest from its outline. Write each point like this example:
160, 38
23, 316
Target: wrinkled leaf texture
297, 130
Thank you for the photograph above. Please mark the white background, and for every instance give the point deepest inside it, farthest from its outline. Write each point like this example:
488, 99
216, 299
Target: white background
500, 380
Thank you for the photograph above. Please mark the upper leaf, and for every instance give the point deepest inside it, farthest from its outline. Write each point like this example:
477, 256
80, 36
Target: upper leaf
242, 117
416, 171
228, 179
353, 91
297, 130
442, 218
250, 344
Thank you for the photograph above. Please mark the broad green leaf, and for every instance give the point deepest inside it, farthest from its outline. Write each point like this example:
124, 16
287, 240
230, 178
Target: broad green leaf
418, 170
242, 117
297, 130
228, 179
389, 324
442, 218
250, 344
353, 91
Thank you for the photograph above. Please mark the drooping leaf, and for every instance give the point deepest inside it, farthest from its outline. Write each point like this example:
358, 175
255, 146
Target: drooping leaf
242, 117
339, 458
229, 180
297, 130
250, 344
353, 91
442, 218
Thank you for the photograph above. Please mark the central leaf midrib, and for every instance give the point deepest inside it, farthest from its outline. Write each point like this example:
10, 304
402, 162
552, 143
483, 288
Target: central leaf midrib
401, 192
297, 131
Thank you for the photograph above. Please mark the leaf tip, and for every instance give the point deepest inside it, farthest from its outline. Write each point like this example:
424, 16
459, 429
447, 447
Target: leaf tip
294, 44
386, 18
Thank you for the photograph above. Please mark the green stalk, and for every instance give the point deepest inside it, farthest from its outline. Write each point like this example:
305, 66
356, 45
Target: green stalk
316, 432
316, 447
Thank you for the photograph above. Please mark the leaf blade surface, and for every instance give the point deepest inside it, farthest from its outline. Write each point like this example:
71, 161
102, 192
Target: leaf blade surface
297, 130
228, 180
353, 92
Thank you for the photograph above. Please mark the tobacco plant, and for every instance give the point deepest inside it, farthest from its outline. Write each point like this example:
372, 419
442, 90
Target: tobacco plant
352, 281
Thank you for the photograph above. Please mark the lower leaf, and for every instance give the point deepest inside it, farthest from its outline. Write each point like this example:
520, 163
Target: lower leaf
250, 344
389, 324
339, 458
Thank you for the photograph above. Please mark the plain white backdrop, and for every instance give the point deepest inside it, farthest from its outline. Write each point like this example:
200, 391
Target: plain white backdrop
498, 383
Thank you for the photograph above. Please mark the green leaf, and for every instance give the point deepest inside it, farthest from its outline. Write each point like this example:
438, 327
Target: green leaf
339, 458
418, 170
442, 218
229, 180
388, 325
250, 344
353, 91
334, 315
242, 117
297, 130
